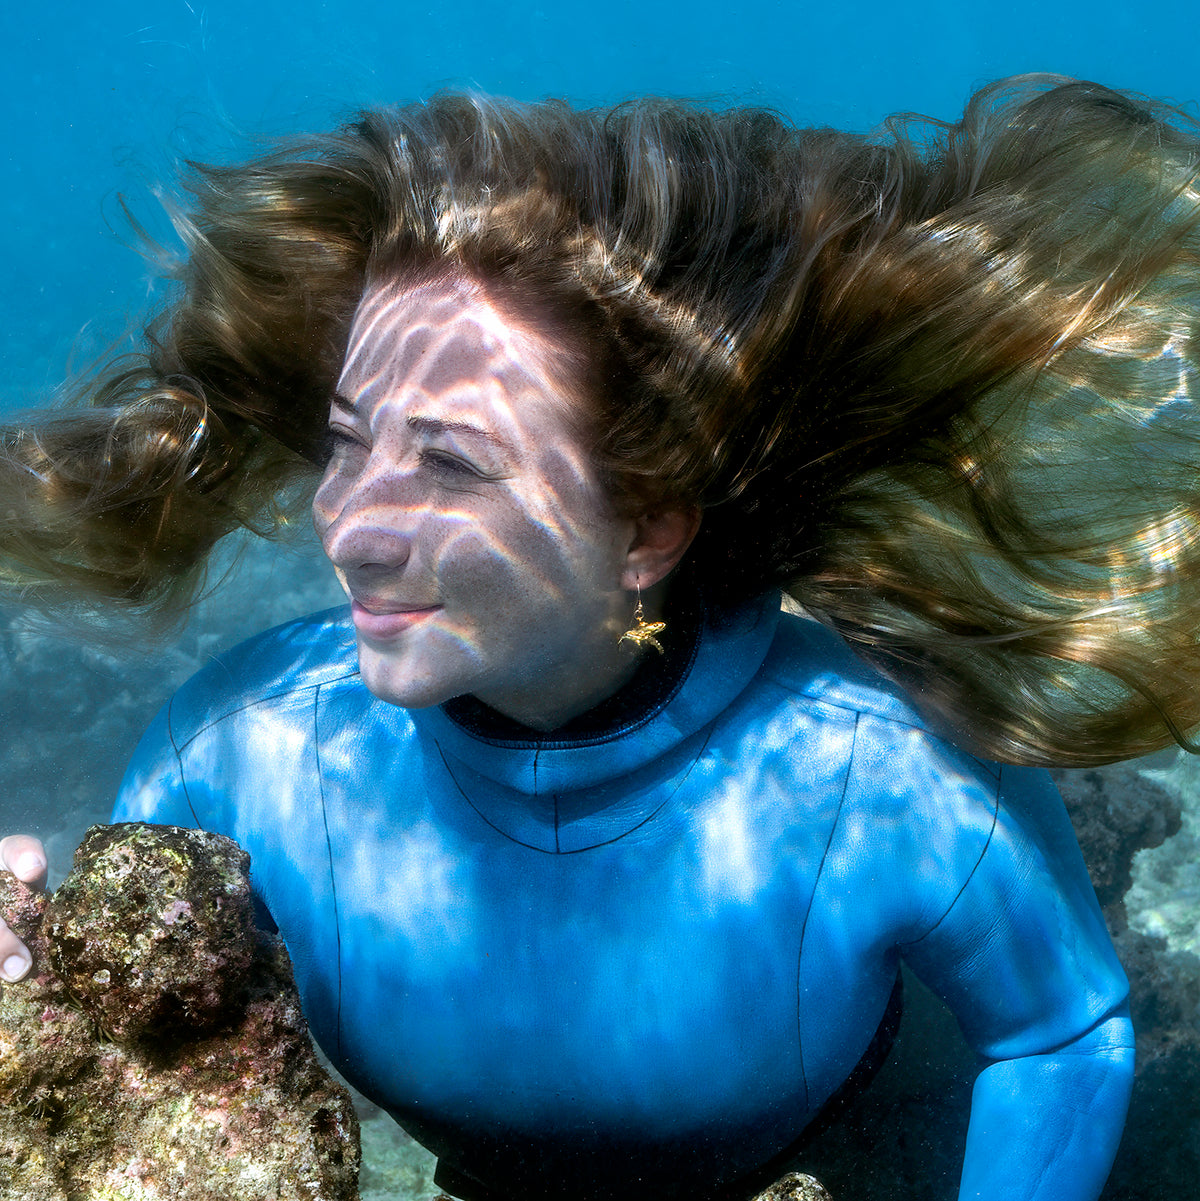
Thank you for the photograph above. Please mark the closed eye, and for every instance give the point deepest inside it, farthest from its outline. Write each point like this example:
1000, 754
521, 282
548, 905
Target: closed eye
448, 465
337, 440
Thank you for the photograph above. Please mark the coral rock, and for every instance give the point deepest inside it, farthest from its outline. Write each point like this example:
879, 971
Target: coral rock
207, 1090
150, 931
795, 1187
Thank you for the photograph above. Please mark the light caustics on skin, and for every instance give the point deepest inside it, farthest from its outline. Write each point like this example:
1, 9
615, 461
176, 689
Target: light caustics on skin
463, 515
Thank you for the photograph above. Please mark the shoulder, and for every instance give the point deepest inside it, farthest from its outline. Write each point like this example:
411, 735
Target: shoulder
239, 733
899, 770
811, 662
286, 663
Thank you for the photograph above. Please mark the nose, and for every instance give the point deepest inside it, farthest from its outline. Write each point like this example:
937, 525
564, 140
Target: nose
361, 527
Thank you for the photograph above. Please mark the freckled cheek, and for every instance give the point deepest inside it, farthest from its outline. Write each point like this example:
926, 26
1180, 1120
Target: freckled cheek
472, 565
573, 518
558, 577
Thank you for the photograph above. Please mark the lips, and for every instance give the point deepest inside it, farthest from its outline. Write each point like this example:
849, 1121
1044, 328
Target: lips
383, 619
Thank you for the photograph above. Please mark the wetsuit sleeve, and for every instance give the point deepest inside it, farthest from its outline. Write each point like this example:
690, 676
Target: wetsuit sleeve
153, 789
1023, 959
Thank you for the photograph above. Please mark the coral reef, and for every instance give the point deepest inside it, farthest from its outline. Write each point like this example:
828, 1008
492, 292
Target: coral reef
1126, 811
207, 1088
179, 970
795, 1187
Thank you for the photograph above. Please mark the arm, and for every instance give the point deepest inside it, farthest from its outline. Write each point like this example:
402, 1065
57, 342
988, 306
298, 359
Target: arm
1024, 960
1047, 1126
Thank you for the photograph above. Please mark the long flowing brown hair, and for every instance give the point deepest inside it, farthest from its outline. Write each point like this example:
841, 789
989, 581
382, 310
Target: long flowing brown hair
938, 383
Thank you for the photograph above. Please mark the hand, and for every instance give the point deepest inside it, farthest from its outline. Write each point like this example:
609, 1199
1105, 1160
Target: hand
25, 857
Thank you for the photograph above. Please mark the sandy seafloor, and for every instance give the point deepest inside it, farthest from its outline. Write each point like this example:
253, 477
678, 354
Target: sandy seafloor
73, 710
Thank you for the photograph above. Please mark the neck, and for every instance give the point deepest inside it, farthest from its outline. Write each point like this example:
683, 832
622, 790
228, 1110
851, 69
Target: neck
647, 679
558, 692
551, 704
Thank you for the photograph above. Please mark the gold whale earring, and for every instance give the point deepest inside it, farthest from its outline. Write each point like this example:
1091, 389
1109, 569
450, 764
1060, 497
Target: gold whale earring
643, 632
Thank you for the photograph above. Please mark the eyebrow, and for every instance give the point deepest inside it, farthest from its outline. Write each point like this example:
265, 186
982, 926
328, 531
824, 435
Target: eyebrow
432, 425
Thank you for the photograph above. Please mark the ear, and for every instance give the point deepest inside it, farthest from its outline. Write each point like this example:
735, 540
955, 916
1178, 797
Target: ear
659, 540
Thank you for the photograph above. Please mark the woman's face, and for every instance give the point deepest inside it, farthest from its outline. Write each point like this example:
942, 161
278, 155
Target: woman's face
463, 516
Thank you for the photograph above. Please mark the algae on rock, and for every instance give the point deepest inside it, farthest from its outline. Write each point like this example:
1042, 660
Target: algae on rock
157, 1049
795, 1186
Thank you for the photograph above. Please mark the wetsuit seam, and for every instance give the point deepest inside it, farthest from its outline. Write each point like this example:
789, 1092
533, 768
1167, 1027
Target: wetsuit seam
554, 798
781, 678
970, 875
992, 768
812, 896
179, 764
337, 925
260, 700
577, 850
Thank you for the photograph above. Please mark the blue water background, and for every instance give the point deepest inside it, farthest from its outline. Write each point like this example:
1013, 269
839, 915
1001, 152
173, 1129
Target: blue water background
100, 100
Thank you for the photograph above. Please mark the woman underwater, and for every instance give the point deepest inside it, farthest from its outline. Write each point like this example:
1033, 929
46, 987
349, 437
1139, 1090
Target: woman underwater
594, 864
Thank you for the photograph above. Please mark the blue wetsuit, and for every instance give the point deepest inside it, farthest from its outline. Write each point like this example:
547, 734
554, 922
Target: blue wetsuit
641, 957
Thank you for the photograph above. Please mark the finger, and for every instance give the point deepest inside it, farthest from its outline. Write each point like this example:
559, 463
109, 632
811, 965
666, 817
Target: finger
15, 960
25, 857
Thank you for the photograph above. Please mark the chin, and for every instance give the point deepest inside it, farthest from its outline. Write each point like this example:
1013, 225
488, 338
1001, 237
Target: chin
409, 690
